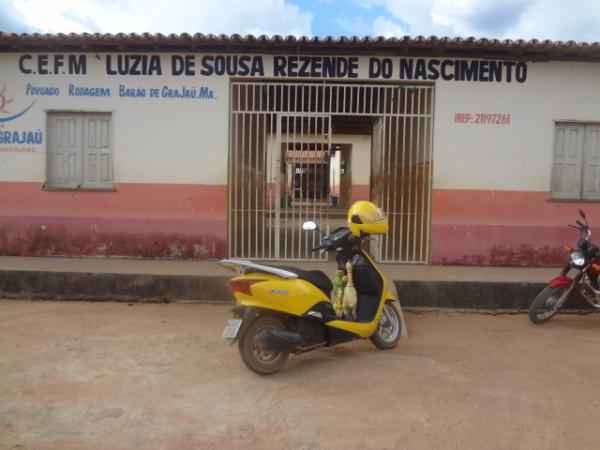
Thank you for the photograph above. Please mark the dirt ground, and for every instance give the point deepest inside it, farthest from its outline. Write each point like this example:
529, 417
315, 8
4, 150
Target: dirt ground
147, 376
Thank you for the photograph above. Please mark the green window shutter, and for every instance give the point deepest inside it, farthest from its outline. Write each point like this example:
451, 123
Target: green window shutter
98, 159
64, 151
567, 165
591, 163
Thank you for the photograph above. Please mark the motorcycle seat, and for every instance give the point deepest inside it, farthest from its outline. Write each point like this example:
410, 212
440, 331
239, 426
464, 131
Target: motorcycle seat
316, 277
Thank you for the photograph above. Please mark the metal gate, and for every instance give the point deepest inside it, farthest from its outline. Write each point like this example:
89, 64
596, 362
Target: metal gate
281, 165
401, 168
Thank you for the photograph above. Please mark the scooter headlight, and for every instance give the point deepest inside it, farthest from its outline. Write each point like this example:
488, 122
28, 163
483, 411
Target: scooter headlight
577, 259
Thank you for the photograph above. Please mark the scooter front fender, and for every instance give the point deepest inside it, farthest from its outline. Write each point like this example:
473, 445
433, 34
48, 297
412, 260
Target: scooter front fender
561, 281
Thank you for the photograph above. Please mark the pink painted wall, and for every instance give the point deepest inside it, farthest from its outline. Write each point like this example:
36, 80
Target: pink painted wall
138, 220
473, 227
359, 192
503, 228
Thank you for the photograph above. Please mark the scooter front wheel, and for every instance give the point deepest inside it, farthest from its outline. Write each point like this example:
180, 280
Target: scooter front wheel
263, 362
388, 330
547, 303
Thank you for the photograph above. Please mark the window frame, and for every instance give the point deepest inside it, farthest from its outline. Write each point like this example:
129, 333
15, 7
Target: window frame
46, 186
571, 122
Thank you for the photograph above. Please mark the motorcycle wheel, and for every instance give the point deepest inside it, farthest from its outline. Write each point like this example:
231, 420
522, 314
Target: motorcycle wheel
388, 330
262, 362
547, 303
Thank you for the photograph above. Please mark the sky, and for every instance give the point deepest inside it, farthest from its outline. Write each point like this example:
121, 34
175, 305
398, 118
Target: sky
564, 20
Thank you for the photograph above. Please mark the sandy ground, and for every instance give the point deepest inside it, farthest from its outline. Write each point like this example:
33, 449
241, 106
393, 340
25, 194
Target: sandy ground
114, 376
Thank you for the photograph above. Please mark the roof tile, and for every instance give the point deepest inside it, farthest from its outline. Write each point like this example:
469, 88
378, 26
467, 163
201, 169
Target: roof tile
534, 48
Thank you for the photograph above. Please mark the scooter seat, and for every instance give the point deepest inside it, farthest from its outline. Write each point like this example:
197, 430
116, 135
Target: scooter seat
316, 277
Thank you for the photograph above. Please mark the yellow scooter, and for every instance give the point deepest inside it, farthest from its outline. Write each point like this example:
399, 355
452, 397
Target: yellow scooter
283, 310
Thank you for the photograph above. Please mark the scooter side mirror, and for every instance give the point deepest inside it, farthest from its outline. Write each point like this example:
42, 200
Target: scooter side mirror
582, 214
309, 226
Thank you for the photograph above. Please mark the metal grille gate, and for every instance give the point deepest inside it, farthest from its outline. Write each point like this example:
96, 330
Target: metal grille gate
280, 148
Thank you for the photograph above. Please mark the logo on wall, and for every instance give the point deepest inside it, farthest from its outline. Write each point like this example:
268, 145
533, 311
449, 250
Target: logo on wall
4, 107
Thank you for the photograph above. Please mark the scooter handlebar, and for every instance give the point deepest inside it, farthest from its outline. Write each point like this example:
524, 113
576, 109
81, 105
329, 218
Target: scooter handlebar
338, 242
319, 247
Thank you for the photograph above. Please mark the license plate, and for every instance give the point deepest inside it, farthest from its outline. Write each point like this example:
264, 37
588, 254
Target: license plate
232, 328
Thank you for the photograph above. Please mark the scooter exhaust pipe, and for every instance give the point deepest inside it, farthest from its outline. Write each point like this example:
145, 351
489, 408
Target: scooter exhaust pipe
278, 341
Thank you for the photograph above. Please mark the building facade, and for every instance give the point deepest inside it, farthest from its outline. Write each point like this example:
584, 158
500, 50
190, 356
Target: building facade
480, 152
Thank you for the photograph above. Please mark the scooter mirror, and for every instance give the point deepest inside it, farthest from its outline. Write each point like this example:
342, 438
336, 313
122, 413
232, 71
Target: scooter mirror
582, 214
309, 226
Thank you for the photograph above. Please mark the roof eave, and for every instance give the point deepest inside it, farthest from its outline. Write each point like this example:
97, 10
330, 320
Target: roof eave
432, 46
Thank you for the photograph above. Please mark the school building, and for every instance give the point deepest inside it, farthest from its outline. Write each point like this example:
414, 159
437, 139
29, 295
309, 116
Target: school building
479, 151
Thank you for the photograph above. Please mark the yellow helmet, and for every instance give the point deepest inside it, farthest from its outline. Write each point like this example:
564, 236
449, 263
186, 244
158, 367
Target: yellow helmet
366, 218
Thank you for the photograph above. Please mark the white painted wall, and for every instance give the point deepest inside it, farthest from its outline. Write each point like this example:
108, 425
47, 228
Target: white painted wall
185, 141
361, 155
156, 140
516, 156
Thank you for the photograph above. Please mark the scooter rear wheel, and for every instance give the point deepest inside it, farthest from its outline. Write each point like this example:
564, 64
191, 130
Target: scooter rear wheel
263, 362
389, 328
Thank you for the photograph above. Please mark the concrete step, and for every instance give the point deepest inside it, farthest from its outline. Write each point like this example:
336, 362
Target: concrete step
477, 288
